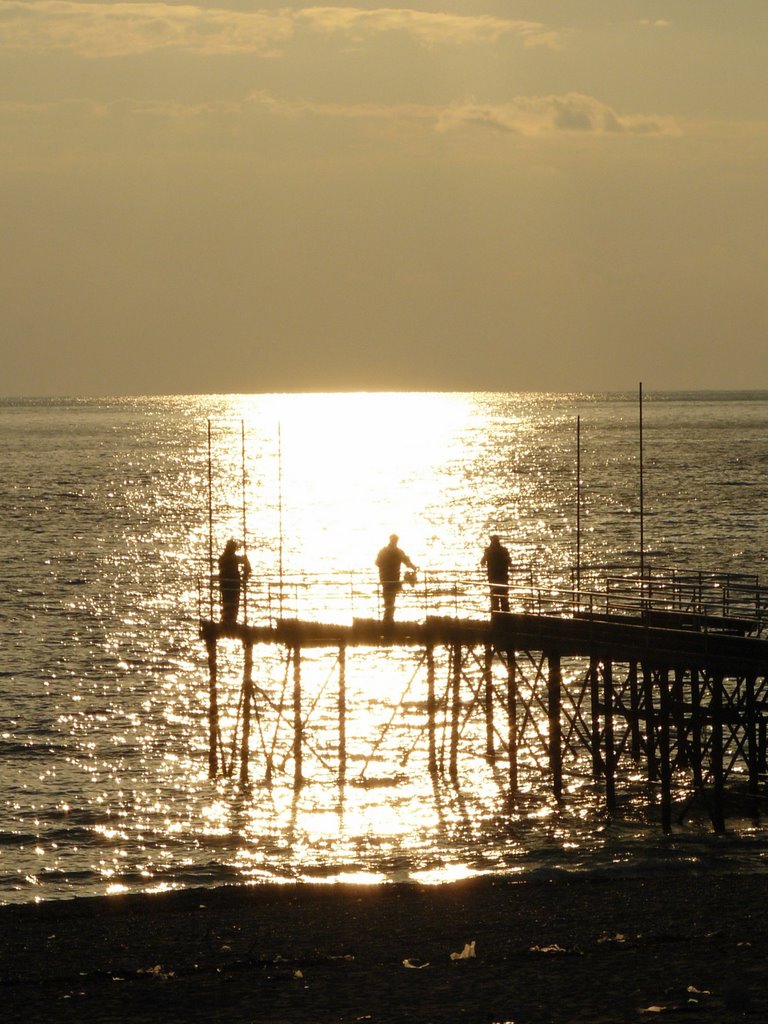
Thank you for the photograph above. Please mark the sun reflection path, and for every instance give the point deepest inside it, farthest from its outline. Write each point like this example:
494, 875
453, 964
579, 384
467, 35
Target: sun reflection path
353, 468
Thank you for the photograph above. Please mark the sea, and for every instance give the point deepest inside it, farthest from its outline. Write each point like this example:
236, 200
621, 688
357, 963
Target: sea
114, 511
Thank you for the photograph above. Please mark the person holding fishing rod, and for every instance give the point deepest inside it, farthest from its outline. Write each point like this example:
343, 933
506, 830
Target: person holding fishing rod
234, 571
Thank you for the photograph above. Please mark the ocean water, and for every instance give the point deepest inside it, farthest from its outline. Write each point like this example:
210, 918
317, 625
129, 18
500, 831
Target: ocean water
111, 509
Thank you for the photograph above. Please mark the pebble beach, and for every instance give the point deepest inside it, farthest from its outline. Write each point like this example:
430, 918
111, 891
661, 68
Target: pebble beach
679, 947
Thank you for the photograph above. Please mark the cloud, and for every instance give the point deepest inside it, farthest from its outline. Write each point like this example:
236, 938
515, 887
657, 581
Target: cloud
529, 116
429, 28
98, 30
538, 115
273, 131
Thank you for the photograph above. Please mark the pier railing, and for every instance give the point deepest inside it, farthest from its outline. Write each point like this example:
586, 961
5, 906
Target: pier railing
707, 601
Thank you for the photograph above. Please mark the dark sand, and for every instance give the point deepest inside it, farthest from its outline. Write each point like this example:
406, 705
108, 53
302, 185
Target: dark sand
692, 946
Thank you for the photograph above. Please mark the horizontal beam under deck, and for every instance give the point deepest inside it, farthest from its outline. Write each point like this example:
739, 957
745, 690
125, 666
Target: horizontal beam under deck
579, 637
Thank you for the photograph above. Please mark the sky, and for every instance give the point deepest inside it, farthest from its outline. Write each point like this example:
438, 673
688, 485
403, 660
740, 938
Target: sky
514, 195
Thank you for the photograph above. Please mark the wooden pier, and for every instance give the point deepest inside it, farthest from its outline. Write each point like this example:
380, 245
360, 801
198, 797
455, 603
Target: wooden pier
675, 694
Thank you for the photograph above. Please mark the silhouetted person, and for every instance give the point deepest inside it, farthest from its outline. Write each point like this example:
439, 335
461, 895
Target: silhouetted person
389, 561
497, 560
234, 570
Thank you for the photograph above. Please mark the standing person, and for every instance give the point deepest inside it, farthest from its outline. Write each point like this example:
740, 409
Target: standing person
497, 560
389, 561
234, 570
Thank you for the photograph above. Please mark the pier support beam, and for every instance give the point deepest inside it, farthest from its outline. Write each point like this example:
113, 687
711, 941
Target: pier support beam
213, 707
634, 712
665, 753
650, 723
455, 709
594, 708
610, 753
342, 714
716, 710
490, 752
512, 721
298, 728
431, 710
245, 745
554, 695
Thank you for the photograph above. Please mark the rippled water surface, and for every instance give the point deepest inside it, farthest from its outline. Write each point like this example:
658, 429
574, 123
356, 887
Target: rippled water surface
106, 544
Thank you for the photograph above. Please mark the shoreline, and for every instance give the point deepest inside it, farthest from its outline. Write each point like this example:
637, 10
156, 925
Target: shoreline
692, 944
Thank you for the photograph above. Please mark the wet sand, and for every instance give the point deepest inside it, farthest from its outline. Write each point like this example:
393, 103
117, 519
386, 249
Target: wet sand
678, 947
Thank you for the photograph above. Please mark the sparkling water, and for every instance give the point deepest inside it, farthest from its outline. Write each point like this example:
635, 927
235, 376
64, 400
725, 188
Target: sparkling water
107, 542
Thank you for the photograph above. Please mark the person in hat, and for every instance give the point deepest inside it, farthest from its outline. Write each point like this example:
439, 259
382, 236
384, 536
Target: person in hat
234, 571
389, 562
497, 561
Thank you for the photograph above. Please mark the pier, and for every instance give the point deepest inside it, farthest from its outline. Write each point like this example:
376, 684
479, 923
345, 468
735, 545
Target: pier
661, 677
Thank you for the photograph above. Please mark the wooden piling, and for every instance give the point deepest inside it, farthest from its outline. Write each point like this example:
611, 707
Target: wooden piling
751, 731
488, 703
245, 745
694, 744
665, 755
610, 753
634, 713
455, 709
677, 712
594, 708
512, 721
213, 707
650, 723
554, 698
342, 713
717, 752
431, 710
298, 728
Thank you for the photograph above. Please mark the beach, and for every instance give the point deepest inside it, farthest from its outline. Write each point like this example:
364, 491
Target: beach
682, 946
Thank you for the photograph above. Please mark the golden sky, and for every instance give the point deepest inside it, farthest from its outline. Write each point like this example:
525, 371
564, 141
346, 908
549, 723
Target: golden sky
462, 195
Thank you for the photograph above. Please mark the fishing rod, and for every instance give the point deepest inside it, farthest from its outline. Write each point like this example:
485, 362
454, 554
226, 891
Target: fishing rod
642, 496
210, 523
578, 511
280, 507
245, 531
